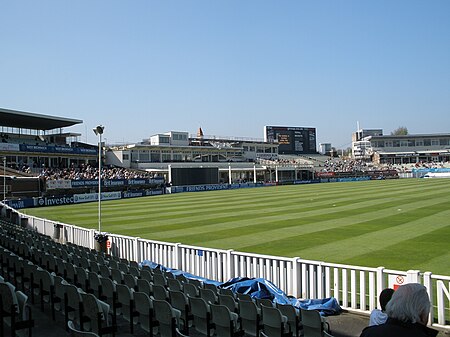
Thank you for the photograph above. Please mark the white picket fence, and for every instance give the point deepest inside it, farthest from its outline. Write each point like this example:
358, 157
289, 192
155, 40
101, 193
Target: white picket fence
355, 287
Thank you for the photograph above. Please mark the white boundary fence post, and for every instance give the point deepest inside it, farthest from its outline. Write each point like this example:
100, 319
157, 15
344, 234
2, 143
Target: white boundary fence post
381, 284
176, 259
136, 250
92, 239
295, 278
427, 283
441, 291
413, 276
230, 269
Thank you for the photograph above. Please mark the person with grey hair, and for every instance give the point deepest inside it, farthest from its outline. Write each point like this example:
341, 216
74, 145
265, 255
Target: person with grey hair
407, 313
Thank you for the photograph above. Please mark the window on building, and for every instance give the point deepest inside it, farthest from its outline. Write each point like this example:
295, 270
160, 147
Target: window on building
177, 157
178, 136
443, 141
388, 143
166, 157
143, 156
125, 156
154, 157
396, 143
419, 142
427, 142
435, 142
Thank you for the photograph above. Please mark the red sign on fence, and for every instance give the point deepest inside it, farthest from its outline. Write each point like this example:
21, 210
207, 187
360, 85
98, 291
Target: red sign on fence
396, 281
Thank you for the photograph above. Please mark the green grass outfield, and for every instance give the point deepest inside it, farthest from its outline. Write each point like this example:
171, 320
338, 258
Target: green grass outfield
399, 224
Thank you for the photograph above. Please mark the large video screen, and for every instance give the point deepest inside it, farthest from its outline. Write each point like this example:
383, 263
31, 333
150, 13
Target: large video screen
292, 140
182, 176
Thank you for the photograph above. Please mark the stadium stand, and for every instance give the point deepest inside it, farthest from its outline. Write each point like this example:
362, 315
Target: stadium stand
61, 297
86, 172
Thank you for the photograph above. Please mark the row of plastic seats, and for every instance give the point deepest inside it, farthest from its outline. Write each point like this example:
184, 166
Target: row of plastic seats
162, 285
67, 252
165, 286
14, 310
156, 284
77, 305
77, 255
181, 294
179, 310
61, 295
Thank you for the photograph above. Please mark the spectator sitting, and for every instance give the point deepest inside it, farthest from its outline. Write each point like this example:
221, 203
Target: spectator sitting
407, 313
378, 316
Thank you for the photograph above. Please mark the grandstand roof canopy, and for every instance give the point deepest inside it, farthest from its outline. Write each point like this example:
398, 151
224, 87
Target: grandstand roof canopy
34, 121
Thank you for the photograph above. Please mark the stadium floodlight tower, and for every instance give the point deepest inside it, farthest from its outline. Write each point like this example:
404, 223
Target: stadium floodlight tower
98, 130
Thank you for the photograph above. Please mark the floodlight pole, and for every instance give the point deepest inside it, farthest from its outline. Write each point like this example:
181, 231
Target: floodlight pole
99, 131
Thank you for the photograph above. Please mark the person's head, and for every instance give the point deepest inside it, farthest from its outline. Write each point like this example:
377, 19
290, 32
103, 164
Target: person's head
409, 303
385, 297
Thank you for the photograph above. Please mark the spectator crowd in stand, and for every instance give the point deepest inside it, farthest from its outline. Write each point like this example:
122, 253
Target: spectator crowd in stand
421, 165
88, 172
348, 165
283, 161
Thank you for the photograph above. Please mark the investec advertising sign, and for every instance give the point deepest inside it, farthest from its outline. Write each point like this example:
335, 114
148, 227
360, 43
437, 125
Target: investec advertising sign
79, 198
53, 201
75, 199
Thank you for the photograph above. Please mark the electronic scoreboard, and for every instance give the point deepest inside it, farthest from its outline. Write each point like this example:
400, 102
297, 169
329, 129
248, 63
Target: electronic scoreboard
292, 140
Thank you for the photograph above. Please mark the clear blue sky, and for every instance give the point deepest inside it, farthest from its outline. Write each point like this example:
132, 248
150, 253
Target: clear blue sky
142, 67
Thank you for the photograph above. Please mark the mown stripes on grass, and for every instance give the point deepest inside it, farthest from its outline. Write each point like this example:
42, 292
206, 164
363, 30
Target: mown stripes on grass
401, 224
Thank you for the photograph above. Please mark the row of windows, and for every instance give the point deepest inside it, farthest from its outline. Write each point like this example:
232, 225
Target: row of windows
167, 156
260, 149
229, 151
179, 136
411, 143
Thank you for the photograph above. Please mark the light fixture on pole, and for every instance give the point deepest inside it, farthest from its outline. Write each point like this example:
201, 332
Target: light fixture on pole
99, 131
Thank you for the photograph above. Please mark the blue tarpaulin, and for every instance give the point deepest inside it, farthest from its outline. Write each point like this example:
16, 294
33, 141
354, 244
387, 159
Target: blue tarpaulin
326, 306
262, 288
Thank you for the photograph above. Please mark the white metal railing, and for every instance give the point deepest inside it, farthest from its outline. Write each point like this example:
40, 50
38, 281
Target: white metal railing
356, 288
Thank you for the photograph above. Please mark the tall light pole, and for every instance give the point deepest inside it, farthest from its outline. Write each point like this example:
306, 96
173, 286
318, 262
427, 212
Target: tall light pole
98, 130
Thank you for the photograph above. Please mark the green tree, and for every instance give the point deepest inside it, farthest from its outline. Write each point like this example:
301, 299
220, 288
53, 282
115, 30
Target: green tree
400, 131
